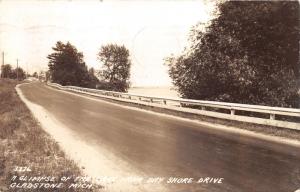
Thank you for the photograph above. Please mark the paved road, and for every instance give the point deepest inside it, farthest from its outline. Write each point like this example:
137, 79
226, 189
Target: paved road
165, 146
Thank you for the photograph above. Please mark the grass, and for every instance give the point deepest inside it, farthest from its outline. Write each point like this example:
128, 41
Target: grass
24, 143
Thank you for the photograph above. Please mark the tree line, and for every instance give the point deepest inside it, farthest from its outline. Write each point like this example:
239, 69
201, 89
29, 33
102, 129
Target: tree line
7, 71
248, 54
67, 67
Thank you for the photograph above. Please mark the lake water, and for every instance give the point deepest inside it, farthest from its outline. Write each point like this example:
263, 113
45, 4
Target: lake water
154, 91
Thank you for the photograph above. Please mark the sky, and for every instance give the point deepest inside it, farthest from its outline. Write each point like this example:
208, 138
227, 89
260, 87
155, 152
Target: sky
151, 30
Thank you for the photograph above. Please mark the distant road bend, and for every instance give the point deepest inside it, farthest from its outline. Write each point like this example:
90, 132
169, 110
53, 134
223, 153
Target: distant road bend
159, 145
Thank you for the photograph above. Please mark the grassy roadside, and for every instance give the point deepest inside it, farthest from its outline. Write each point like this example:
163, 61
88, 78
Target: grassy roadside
23, 143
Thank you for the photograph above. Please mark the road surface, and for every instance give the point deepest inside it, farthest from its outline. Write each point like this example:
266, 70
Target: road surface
158, 145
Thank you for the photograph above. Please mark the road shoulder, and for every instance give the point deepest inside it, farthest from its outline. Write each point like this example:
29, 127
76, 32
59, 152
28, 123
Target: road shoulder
26, 149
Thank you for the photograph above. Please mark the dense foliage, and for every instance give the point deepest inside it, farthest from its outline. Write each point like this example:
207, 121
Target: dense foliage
66, 67
8, 72
115, 71
248, 54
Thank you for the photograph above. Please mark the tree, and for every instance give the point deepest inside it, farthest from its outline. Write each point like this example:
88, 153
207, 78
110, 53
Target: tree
92, 79
6, 71
18, 74
66, 66
116, 67
35, 74
248, 54
9, 72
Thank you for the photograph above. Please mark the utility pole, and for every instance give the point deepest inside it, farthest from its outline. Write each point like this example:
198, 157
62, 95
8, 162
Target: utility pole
17, 70
26, 70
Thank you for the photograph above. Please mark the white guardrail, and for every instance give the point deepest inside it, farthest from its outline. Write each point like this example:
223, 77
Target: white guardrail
229, 109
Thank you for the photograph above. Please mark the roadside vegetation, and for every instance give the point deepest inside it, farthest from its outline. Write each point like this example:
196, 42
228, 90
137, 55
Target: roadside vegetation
248, 54
116, 64
8, 72
24, 143
67, 67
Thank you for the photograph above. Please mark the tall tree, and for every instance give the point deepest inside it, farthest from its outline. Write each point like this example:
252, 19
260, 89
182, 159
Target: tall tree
66, 66
116, 66
248, 54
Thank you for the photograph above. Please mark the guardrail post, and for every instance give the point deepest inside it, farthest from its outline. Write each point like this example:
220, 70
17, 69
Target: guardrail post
165, 102
232, 112
151, 100
129, 97
272, 116
140, 98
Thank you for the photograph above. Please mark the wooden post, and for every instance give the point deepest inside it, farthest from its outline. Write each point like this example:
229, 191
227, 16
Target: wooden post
272, 116
232, 112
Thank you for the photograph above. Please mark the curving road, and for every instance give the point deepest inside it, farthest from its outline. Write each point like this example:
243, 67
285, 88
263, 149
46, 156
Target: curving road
159, 145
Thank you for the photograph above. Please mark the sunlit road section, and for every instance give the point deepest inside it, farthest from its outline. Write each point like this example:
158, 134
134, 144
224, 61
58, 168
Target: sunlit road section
165, 146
